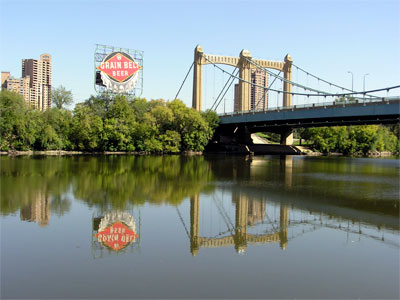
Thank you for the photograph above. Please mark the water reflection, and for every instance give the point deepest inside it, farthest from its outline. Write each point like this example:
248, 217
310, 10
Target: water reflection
114, 231
260, 221
247, 212
340, 194
37, 211
251, 223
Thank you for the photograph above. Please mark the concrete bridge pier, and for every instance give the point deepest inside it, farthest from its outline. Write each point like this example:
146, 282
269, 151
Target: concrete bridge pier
287, 137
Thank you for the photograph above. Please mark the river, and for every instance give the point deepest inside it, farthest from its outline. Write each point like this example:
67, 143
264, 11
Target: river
199, 227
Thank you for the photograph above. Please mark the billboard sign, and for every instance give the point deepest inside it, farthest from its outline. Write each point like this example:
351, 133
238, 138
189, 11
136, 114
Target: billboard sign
118, 70
116, 230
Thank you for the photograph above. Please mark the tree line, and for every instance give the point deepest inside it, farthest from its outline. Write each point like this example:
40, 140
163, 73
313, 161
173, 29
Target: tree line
105, 123
352, 139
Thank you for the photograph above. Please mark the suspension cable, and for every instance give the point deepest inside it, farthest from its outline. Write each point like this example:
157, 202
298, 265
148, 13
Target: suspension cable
305, 87
305, 94
283, 78
265, 92
183, 223
330, 83
229, 78
220, 100
184, 81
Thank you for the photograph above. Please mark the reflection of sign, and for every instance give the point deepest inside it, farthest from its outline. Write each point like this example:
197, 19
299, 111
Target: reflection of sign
117, 230
119, 72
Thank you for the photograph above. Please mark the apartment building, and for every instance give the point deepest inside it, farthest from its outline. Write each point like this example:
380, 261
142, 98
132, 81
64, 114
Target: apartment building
35, 84
17, 85
258, 95
40, 72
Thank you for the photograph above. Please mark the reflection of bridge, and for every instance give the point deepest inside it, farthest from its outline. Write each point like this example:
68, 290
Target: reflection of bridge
255, 223
244, 210
239, 237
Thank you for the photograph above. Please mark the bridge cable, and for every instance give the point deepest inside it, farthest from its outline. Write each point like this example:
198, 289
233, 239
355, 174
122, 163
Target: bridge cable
284, 79
304, 94
229, 78
220, 100
223, 96
266, 88
323, 93
183, 223
184, 81
330, 83
265, 92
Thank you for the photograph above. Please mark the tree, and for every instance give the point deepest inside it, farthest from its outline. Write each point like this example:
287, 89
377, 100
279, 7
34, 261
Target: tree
19, 124
193, 129
60, 97
86, 129
119, 126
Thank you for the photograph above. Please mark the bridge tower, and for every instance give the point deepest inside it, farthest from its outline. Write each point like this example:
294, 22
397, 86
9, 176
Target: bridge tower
245, 65
197, 78
245, 74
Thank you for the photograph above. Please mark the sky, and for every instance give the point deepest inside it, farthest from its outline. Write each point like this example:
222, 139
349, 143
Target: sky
326, 38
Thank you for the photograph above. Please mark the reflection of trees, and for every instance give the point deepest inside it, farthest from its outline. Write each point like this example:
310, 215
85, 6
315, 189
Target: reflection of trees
60, 205
101, 180
24, 180
121, 180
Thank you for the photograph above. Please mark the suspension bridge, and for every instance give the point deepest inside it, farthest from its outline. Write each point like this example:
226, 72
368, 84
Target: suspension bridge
266, 98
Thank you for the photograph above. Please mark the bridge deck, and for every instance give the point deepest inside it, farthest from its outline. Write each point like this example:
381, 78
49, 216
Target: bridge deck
324, 114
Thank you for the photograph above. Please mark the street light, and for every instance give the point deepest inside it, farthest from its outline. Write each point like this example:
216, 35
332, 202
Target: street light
364, 84
364, 81
352, 80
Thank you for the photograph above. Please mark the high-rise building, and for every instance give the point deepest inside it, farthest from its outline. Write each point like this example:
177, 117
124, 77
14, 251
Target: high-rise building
259, 95
18, 85
4, 77
35, 84
38, 210
40, 73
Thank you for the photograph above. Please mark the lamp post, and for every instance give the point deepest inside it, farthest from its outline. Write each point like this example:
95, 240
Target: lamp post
364, 83
352, 80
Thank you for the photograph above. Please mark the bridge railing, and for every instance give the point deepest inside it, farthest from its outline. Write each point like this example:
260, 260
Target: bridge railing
344, 103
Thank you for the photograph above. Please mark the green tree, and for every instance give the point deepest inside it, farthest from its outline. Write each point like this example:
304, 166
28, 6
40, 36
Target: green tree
119, 126
192, 127
211, 118
86, 129
352, 139
19, 124
60, 97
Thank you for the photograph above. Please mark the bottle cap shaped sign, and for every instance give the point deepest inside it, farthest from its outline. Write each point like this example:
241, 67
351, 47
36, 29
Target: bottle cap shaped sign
119, 72
117, 230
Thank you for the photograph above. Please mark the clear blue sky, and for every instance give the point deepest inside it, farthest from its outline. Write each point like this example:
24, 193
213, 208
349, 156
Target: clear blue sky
327, 38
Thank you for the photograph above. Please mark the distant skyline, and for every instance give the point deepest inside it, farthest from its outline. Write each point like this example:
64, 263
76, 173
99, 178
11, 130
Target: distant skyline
327, 38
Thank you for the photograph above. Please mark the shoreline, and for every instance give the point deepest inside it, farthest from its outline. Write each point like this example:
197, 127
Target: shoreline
71, 153
187, 153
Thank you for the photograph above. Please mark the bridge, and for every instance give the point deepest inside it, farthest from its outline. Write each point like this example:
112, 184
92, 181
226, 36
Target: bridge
297, 105
284, 120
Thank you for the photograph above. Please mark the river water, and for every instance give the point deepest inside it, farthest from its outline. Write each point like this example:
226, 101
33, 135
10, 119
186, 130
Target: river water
199, 227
